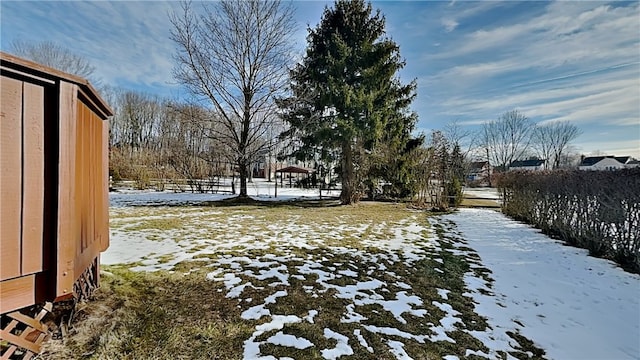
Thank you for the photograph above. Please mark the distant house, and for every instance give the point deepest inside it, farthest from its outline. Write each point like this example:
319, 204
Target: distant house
607, 163
633, 164
479, 171
532, 165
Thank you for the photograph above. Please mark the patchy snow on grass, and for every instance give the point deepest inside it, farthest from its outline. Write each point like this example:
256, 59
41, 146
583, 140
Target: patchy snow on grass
394, 332
258, 189
362, 340
252, 348
289, 340
397, 349
258, 311
443, 293
572, 305
342, 347
446, 323
312, 314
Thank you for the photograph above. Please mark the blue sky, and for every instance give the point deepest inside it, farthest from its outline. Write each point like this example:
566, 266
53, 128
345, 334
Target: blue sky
575, 61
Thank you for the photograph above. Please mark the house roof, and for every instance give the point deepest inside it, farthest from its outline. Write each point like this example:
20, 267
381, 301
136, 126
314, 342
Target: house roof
623, 159
295, 170
476, 165
592, 160
527, 163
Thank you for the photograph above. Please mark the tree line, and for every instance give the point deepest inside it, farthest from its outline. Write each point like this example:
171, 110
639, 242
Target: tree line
513, 136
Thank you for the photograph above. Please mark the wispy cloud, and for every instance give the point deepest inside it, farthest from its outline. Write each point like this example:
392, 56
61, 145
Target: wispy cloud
573, 61
555, 61
449, 24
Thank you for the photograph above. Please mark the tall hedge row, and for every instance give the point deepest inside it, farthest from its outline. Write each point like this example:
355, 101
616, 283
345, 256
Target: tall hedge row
596, 210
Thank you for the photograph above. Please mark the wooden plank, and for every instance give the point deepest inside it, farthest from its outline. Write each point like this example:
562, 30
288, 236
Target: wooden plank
21, 342
27, 320
7, 354
90, 180
32, 77
17, 293
94, 181
33, 178
10, 177
104, 160
80, 181
66, 190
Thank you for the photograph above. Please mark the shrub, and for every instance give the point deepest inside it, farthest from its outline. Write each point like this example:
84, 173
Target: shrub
596, 210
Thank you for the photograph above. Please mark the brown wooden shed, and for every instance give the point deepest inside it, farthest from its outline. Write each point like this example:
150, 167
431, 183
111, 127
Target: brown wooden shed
53, 184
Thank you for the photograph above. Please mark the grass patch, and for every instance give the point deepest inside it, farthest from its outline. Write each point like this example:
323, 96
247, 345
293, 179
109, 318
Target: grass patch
137, 315
181, 314
166, 223
480, 203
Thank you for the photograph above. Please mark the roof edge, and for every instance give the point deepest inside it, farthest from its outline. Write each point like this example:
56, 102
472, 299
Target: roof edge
30, 67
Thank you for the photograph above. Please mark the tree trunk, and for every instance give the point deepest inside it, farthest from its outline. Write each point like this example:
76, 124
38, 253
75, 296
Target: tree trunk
243, 169
348, 193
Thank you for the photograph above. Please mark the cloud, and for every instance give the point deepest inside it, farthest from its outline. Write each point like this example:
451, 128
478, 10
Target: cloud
599, 94
449, 24
127, 42
555, 61
574, 62
555, 38
605, 146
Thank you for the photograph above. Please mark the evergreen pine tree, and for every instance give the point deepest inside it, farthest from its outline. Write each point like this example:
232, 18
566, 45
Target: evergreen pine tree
346, 95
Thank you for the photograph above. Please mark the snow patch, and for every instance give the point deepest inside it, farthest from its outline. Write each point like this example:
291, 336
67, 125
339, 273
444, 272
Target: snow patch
362, 340
282, 339
342, 347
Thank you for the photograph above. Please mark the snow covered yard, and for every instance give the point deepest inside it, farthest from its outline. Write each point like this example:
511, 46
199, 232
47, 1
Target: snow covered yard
572, 305
374, 281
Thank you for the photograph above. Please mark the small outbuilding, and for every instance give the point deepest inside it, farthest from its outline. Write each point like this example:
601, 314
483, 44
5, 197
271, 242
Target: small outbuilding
54, 190
294, 170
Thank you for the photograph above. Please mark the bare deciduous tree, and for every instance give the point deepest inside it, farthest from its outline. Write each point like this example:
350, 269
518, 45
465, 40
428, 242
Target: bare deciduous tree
551, 141
53, 55
235, 55
456, 134
507, 138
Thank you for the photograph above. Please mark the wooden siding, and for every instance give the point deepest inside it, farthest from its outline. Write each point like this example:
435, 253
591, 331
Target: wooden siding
11, 177
17, 293
53, 184
83, 208
33, 179
22, 191
66, 190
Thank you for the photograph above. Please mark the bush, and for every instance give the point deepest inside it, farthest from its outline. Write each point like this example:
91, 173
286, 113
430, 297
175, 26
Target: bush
596, 210
454, 192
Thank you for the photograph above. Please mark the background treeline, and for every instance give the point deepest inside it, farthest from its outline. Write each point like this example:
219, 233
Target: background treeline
154, 141
596, 210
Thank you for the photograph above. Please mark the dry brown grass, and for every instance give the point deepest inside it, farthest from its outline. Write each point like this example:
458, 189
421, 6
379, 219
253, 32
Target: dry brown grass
154, 316
170, 315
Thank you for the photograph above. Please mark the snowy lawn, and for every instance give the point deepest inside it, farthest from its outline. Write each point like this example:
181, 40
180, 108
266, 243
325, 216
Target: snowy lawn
572, 305
374, 281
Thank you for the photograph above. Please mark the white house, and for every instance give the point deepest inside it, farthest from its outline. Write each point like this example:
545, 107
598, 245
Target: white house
607, 163
479, 171
531, 165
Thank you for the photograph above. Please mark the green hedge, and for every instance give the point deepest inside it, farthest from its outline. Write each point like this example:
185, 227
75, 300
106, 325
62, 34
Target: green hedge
595, 210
